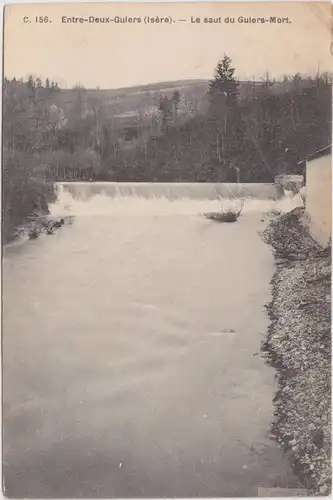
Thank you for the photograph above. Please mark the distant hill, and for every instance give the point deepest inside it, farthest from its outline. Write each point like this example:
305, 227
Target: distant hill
126, 104
132, 112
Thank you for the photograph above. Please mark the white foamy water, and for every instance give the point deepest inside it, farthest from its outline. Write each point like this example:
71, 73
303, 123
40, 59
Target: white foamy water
163, 199
128, 342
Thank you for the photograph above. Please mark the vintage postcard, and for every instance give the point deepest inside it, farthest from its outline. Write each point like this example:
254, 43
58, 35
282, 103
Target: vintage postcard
166, 239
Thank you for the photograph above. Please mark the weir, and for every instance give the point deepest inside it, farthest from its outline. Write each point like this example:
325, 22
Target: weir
171, 190
107, 198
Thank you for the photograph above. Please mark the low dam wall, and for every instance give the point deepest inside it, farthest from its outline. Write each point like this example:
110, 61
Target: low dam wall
171, 191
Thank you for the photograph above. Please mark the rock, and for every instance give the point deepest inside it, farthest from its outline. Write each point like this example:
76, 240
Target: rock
318, 438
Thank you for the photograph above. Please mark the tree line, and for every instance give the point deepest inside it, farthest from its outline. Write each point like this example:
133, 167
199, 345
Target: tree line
252, 139
28, 128
247, 139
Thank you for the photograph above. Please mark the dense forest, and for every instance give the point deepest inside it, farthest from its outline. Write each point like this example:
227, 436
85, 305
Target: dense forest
247, 139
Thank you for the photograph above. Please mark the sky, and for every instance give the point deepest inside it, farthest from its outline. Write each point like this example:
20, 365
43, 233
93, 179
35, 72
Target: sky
111, 55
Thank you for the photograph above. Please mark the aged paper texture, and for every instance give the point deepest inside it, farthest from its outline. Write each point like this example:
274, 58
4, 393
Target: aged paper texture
166, 229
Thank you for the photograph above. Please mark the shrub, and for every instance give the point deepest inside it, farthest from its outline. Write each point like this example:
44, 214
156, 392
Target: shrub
80, 165
25, 192
227, 215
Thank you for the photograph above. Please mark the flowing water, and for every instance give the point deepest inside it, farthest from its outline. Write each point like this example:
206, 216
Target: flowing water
128, 346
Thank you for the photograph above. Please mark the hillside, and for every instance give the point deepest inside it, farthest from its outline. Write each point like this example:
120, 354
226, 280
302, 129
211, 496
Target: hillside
125, 106
137, 106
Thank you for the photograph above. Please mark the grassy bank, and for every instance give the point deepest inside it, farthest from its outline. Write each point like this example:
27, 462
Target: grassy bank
298, 345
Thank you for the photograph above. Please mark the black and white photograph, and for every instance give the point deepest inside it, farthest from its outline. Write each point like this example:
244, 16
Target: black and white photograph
166, 250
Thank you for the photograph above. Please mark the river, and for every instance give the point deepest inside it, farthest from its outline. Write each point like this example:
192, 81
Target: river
129, 348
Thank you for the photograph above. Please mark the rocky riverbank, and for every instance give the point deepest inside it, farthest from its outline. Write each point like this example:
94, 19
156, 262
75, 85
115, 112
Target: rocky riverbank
36, 225
298, 345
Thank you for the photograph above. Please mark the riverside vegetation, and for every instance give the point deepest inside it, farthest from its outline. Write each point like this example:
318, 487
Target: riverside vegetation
218, 131
230, 214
